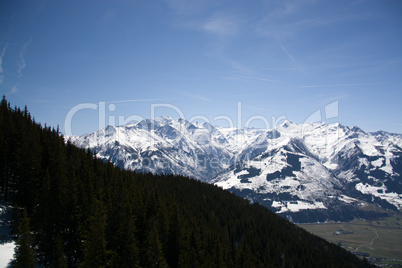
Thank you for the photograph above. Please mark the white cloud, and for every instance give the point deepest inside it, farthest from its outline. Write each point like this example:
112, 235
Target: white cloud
221, 26
265, 79
341, 85
14, 89
22, 63
198, 97
195, 14
141, 100
3, 52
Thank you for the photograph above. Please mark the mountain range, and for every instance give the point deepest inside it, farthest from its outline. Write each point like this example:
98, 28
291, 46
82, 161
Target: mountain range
63, 207
312, 172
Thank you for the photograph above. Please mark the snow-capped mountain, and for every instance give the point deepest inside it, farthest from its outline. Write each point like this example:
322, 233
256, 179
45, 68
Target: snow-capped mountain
172, 146
319, 172
308, 172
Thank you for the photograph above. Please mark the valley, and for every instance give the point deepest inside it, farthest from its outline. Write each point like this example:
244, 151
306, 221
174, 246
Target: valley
378, 240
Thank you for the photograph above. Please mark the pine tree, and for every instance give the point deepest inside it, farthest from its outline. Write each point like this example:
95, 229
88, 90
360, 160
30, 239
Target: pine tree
24, 255
58, 257
127, 253
95, 246
154, 253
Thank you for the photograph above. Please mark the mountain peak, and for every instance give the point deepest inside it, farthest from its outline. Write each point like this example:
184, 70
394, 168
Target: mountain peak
357, 129
163, 120
287, 123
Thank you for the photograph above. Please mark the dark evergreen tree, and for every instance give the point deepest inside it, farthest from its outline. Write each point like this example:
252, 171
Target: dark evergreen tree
24, 256
172, 247
58, 257
126, 252
95, 254
154, 252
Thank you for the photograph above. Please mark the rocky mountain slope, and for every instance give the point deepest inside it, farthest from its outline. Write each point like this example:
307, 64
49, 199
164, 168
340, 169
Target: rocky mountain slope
307, 173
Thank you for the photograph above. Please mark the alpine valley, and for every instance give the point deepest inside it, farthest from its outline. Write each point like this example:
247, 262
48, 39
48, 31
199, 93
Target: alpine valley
313, 172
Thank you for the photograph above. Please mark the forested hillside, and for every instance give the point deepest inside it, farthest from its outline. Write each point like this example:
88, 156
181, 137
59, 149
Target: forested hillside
74, 210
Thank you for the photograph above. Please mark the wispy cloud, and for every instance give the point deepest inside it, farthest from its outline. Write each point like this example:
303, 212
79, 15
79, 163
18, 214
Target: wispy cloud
141, 100
194, 96
286, 20
341, 85
254, 78
22, 63
288, 55
221, 25
238, 67
199, 97
369, 67
14, 90
265, 79
203, 15
295, 63
3, 52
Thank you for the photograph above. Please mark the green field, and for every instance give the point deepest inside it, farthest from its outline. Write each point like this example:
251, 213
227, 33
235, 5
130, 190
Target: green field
381, 239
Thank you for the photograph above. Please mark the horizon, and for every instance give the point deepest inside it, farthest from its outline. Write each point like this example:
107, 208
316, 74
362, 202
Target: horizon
300, 60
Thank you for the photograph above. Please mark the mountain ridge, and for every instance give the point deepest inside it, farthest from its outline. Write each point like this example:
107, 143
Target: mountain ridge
297, 170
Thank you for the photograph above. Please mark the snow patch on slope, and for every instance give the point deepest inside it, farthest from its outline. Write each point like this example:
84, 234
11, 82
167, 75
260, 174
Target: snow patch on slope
296, 206
381, 192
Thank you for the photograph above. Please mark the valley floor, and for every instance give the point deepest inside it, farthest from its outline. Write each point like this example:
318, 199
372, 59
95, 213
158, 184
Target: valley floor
380, 241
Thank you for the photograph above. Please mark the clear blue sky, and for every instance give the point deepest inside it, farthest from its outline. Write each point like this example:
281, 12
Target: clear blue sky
203, 57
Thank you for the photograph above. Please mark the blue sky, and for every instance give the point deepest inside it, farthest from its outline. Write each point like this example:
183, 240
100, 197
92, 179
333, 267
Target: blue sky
204, 59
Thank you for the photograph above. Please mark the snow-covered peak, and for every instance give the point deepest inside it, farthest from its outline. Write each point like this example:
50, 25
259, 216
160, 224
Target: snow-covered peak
287, 123
289, 168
